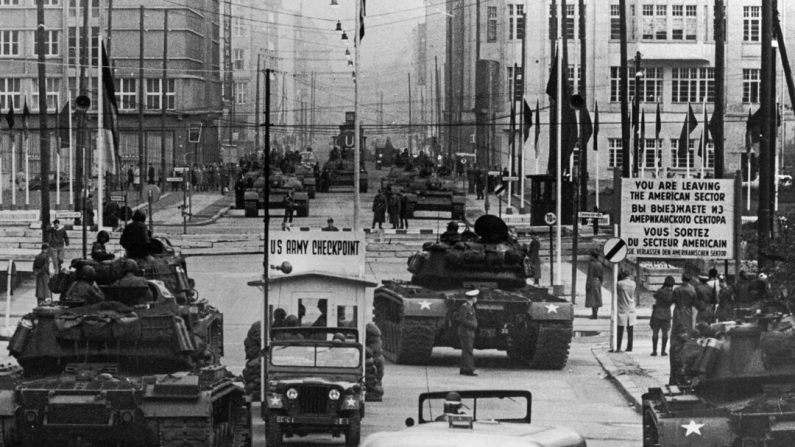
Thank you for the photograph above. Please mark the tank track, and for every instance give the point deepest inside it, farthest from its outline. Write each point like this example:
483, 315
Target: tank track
553, 340
185, 432
408, 342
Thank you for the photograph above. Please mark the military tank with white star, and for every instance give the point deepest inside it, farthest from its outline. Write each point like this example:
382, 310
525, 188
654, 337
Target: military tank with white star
736, 386
531, 325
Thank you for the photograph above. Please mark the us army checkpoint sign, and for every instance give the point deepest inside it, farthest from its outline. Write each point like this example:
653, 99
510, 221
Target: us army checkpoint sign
335, 252
678, 218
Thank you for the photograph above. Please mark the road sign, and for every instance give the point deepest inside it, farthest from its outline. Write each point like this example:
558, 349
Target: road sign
173, 179
510, 179
494, 173
464, 154
499, 190
615, 250
67, 214
194, 132
118, 197
550, 218
589, 215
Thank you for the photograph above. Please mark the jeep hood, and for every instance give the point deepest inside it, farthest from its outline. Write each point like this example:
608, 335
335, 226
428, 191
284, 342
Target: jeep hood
438, 434
289, 380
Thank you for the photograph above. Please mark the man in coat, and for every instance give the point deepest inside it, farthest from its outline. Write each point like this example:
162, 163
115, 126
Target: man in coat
58, 241
467, 322
135, 237
626, 308
593, 284
41, 271
661, 314
379, 209
685, 301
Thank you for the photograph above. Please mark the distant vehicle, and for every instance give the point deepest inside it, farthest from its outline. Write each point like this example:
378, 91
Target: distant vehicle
494, 418
35, 181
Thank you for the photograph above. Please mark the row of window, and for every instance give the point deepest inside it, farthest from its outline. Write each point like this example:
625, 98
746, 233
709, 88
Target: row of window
126, 93
10, 44
654, 152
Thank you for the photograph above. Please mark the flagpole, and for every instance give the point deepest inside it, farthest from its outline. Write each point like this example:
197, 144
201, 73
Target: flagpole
704, 134
597, 179
100, 133
750, 177
71, 159
57, 177
27, 170
687, 143
645, 149
13, 170
559, 160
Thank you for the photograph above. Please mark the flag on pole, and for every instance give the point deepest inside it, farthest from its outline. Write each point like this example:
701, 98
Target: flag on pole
586, 126
362, 13
25, 117
596, 127
63, 126
688, 126
702, 143
538, 126
111, 116
527, 118
568, 123
657, 125
10, 116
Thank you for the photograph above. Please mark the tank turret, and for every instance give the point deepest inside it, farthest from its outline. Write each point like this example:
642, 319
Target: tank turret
489, 256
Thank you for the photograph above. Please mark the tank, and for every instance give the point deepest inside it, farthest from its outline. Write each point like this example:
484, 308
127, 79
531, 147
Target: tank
114, 373
431, 192
737, 387
306, 171
531, 325
338, 171
256, 196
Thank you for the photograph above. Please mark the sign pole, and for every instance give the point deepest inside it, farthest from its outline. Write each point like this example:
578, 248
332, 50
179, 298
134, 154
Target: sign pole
551, 257
614, 302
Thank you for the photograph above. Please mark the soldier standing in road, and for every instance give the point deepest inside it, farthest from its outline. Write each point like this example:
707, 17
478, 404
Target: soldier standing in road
685, 300
480, 183
593, 284
661, 314
41, 270
534, 253
379, 209
289, 206
467, 322
59, 240
626, 308
404, 211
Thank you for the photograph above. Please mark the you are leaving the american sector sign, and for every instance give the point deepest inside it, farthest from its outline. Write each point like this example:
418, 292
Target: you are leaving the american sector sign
678, 218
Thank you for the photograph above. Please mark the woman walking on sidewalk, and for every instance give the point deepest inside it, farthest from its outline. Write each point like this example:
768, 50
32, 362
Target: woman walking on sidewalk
661, 314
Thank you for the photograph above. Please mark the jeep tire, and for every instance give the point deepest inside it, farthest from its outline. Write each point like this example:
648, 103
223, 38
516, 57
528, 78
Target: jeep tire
353, 434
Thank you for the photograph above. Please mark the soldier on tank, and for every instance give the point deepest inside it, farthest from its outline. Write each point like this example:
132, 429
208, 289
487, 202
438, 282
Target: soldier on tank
467, 322
84, 289
137, 286
98, 251
135, 237
451, 235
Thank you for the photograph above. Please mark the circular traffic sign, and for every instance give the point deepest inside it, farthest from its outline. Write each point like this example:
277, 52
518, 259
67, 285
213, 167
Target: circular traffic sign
615, 250
550, 218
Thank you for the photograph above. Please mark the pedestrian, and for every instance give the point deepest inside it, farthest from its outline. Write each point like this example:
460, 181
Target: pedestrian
626, 308
289, 206
379, 209
480, 183
110, 214
41, 271
130, 177
534, 253
593, 284
137, 178
150, 174
90, 210
466, 320
98, 251
660, 321
404, 211
393, 207
595, 222
330, 226
685, 301
58, 240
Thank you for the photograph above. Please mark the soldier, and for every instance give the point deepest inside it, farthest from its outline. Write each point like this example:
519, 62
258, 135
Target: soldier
150, 174
708, 299
98, 251
289, 207
135, 237
534, 253
593, 284
404, 211
661, 314
452, 405
58, 241
467, 322
379, 209
84, 290
480, 183
451, 236
139, 293
330, 226
41, 270
685, 300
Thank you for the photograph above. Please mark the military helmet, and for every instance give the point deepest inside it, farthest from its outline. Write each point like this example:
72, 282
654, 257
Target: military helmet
130, 266
103, 236
85, 272
452, 226
452, 402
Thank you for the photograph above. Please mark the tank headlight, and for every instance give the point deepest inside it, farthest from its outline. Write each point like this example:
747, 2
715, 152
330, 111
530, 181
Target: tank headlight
292, 394
31, 417
334, 394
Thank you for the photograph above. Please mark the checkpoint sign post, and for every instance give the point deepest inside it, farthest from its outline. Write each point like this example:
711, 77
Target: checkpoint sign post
614, 251
551, 219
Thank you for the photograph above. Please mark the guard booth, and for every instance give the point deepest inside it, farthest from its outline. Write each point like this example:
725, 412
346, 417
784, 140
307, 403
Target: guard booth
542, 199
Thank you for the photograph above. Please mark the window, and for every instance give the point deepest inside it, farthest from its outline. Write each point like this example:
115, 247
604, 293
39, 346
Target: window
751, 23
691, 24
241, 92
491, 24
650, 150
127, 94
71, 45
709, 163
553, 22
651, 84
238, 27
153, 92
686, 159
515, 21
50, 43
692, 84
53, 94
677, 22
568, 27
94, 9
171, 94
239, 59
8, 2
616, 156
94, 46
750, 85
52, 2
10, 93
655, 22
9, 43
574, 78
615, 22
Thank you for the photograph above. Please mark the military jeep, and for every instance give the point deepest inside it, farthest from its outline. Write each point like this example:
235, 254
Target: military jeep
315, 384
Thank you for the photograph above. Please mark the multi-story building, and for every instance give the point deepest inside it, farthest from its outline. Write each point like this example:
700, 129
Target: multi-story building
190, 89
675, 39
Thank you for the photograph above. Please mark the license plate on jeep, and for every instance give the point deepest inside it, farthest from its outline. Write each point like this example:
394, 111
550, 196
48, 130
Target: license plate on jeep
341, 421
488, 333
285, 420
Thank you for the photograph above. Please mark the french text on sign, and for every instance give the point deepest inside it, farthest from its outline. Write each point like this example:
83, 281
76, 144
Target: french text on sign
615, 250
678, 218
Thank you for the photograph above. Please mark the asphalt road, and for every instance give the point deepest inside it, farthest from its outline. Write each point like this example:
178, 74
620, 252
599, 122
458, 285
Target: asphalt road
579, 396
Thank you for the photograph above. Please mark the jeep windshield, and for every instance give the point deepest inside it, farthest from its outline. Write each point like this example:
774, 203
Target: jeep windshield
318, 356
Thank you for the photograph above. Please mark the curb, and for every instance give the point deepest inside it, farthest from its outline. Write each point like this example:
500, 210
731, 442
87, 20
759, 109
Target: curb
623, 381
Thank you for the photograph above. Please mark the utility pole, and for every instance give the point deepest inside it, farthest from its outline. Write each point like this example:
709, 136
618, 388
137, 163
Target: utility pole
584, 93
164, 101
766, 101
81, 115
44, 135
553, 107
623, 91
141, 84
438, 103
720, 86
257, 107
312, 112
635, 115
411, 128
771, 176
